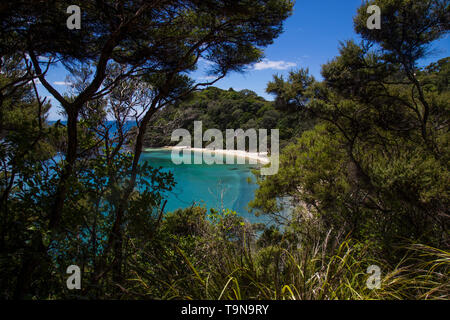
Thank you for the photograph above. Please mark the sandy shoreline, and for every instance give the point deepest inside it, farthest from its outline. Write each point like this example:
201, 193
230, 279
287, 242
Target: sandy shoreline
259, 156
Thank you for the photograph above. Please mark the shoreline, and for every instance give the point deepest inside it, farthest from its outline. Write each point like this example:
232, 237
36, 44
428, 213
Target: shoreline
259, 156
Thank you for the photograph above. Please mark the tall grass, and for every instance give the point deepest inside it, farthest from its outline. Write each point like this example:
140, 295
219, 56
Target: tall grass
224, 261
278, 273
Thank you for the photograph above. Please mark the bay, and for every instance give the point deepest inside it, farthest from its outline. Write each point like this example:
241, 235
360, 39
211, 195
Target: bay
215, 186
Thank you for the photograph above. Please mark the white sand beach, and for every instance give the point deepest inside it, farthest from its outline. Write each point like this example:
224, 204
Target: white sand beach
259, 156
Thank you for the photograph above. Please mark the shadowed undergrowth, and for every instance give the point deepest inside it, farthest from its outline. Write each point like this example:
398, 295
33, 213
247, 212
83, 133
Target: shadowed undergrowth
220, 258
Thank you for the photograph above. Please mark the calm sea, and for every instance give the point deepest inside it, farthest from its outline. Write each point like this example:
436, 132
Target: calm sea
215, 186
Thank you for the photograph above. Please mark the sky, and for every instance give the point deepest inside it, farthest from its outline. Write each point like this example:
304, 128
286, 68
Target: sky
310, 39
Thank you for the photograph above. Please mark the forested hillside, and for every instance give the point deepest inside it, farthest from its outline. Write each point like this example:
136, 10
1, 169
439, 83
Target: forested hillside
364, 167
227, 109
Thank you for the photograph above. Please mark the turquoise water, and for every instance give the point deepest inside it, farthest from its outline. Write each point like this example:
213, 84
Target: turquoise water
215, 186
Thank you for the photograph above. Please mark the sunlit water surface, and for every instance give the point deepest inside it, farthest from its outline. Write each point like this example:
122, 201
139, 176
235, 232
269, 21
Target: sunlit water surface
215, 186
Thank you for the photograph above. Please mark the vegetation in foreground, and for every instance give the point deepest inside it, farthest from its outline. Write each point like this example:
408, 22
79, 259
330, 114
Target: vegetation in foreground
200, 255
366, 176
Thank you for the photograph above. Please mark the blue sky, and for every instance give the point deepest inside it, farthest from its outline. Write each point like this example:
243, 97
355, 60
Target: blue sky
311, 38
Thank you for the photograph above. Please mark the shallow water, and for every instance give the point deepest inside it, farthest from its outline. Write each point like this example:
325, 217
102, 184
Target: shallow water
215, 186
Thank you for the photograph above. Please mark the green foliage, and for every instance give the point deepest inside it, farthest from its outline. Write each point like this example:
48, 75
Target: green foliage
174, 35
74, 193
222, 109
376, 165
407, 27
204, 265
364, 172
291, 94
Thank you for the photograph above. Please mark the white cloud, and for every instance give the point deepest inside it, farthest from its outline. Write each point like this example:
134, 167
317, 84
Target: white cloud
62, 83
208, 78
275, 65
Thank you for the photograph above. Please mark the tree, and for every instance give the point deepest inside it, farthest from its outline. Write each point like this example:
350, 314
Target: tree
290, 94
25, 146
155, 42
376, 166
408, 28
